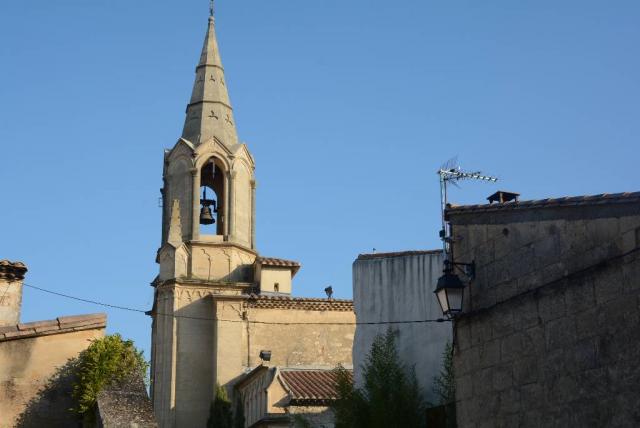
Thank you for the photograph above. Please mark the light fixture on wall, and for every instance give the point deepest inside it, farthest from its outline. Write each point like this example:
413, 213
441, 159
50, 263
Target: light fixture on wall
265, 355
450, 288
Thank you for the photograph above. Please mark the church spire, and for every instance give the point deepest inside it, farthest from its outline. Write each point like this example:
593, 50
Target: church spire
209, 112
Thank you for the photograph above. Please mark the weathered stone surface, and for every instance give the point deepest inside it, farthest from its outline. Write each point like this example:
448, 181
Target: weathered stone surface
566, 331
35, 375
399, 287
125, 404
11, 278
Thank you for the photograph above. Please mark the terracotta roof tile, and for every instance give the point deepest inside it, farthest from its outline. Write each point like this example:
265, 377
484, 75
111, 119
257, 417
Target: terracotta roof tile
12, 270
58, 326
309, 385
300, 303
601, 199
274, 262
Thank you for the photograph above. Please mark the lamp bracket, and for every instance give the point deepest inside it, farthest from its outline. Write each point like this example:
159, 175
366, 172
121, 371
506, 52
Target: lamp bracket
469, 268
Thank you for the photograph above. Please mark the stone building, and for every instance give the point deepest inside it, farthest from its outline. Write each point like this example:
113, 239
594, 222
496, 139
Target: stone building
217, 302
35, 380
551, 322
281, 397
391, 287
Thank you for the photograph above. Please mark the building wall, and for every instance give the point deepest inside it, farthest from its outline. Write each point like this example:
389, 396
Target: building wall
34, 382
270, 276
315, 416
10, 301
263, 396
300, 344
11, 282
212, 341
257, 399
551, 320
399, 287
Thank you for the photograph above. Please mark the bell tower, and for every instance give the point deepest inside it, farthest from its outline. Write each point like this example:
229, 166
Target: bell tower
207, 252
218, 304
209, 186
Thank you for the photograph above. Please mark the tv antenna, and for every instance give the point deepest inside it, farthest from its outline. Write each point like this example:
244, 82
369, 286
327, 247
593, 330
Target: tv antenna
451, 173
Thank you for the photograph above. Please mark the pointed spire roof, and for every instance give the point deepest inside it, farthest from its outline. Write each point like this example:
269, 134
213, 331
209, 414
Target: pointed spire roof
209, 112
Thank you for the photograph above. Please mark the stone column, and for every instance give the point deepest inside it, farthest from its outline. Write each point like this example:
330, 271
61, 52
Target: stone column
226, 213
11, 277
195, 205
232, 204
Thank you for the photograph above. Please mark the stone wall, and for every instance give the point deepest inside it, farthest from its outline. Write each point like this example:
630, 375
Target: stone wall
315, 338
551, 322
314, 416
399, 287
35, 376
11, 278
217, 338
123, 404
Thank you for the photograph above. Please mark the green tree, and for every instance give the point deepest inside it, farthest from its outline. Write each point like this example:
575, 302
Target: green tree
390, 396
220, 415
107, 360
444, 385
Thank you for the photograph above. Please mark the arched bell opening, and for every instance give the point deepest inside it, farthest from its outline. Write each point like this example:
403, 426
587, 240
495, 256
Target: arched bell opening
212, 198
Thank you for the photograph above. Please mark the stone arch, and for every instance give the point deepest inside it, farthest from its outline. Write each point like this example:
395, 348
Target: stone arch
212, 176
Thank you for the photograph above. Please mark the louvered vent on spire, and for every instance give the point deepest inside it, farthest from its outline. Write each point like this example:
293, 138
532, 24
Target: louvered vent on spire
209, 113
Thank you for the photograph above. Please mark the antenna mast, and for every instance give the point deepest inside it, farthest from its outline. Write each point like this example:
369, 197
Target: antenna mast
452, 173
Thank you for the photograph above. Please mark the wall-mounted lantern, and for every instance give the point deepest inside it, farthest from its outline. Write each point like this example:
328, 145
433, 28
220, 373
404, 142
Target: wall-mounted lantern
450, 288
265, 355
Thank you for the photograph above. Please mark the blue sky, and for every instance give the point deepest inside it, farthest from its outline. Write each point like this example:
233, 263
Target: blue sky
348, 107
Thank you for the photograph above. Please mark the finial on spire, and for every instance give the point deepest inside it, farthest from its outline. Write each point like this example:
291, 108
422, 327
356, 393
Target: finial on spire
211, 8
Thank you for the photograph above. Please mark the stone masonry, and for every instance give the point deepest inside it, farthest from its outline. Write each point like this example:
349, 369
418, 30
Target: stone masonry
11, 278
551, 324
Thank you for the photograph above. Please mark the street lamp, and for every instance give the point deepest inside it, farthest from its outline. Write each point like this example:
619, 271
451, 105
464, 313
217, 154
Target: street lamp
450, 289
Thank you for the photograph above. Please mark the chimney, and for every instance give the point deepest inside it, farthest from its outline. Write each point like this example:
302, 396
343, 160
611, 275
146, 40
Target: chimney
501, 197
11, 277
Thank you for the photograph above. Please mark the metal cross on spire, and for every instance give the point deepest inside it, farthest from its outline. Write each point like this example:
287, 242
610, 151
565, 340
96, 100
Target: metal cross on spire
210, 7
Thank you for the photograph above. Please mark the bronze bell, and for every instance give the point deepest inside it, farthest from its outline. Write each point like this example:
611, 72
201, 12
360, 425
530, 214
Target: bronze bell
206, 217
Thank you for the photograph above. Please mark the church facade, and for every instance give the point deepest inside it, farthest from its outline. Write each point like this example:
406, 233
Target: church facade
217, 302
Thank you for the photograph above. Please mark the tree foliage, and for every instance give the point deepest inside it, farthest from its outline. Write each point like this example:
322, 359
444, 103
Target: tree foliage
107, 360
444, 385
220, 414
390, 396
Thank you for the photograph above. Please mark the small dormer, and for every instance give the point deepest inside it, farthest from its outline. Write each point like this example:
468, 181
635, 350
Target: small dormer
275, 275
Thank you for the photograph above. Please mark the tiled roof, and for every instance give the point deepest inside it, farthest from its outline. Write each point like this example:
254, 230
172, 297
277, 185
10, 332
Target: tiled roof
397, 254
57, 326
312, 385
272, 261
12, 270
602, 199
300, 303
